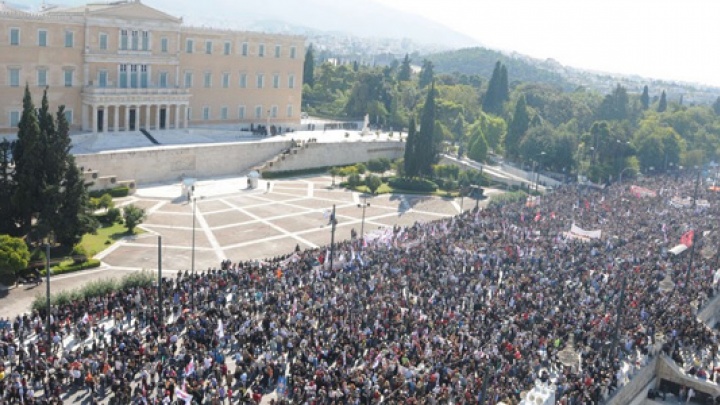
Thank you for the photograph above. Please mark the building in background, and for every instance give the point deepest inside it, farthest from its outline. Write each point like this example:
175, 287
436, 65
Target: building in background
124, 66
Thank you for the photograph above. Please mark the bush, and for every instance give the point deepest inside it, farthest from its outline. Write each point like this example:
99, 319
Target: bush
361, 168
380, 165
141, 279
404, 183
353, 180
71, 267
117, 192
508, 198
113, 215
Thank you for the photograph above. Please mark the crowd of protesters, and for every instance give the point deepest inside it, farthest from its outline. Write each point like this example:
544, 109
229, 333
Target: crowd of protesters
469, 309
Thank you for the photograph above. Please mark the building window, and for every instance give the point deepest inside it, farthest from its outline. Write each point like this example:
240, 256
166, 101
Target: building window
42, 38
144, 76
145, 41
68, 77
123, 76
208, 47
228, 47
15, 36
135, 40
14, 118
69, 39
133, 76
224, 113
258, 111
276, 81
291, 81
163, 45
42, 77
102, 78
293, 52
273, 111
208, 79
206, 113
277, 51
14, 77
261, 50
241, 112
243, 80
103, 41
188, 112
68, 116
163, 80
260, 81
289, 110
188, 79
245, 49
123, 40
226, 80
189, 45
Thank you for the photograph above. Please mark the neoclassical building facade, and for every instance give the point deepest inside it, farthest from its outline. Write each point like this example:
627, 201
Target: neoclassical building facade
124, 66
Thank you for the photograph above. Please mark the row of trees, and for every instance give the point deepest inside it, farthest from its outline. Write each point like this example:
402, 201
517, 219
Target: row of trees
41, 188
577, 131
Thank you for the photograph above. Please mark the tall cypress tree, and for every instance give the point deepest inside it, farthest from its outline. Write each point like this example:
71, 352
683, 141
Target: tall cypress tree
662, 105
426, 150
29, 154
309, 67
503, 87
427, 74
645, 98
74, 217
498, 91
7, 189
405, 71
409, 161
517, 128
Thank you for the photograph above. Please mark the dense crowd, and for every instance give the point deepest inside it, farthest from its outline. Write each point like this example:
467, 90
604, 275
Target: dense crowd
469, 309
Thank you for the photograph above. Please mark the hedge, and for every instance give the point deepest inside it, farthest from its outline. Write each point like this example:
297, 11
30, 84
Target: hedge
293, 173
117, 192
72, 267
413, 184
96, 289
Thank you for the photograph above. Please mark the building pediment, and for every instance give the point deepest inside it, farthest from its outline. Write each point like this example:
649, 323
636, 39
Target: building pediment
135, 10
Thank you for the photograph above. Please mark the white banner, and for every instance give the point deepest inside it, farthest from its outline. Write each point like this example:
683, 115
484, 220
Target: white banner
578, 233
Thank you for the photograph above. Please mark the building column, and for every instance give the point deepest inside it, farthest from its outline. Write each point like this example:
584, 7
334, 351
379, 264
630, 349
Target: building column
116, 118
147, 117
84, 109
106, 118
127, 118
157, 116
177, 116
93, 118
137, 117
185, 116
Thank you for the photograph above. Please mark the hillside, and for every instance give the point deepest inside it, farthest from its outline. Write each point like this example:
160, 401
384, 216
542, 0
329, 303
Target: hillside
481, 61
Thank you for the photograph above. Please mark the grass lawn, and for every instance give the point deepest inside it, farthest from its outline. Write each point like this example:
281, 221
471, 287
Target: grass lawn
105, 236
386, 189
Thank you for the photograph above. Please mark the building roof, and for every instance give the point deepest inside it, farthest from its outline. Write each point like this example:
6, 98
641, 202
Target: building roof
132, 9
4, 8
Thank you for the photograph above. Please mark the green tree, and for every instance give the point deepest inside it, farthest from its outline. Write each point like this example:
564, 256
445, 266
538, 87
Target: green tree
615, 106
7, 189
405, 72
662, 104
29, 176
74, 215
410, 158
373, 183
14, 256
133, 217
478, 145
716, 106
497, 92
426, 150
427, 74
309, 67
645, 98
517, 128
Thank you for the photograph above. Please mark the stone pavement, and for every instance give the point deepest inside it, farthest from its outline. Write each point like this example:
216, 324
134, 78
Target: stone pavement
232, 222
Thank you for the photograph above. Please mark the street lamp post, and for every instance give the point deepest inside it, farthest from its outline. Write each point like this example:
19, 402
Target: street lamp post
159, 282
333, 221
47, 292
364, 205
192, 258
621, 174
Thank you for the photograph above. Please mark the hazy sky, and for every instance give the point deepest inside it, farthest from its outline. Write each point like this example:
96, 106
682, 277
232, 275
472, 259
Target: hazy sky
655, 38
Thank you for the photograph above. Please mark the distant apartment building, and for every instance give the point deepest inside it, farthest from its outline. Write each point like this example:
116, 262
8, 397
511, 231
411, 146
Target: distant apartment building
123, 66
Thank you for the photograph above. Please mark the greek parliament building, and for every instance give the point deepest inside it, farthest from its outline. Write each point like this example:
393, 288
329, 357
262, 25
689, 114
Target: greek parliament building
123, 66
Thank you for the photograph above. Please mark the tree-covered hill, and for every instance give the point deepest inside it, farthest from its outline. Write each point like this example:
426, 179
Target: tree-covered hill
481, 61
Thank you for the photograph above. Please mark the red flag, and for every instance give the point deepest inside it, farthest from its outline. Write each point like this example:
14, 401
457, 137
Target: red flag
687, 238
587, 205
537, 216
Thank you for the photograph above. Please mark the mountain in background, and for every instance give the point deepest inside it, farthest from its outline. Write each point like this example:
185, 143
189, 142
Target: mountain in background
365, 18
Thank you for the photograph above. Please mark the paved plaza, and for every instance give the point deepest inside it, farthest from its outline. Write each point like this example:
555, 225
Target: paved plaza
233, 222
